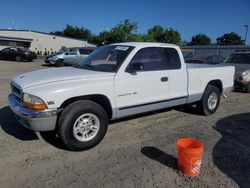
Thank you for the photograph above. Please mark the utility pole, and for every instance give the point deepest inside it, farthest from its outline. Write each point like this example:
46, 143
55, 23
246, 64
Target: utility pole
246, 26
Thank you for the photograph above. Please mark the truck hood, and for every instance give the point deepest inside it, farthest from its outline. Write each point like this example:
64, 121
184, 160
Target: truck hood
56, 75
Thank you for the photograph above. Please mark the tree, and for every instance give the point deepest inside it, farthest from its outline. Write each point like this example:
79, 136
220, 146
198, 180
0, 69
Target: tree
230, 39
200, 39
172, 36
123, 32
74, 32
158, 34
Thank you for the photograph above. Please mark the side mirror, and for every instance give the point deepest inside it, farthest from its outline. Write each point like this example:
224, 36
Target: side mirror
66, 53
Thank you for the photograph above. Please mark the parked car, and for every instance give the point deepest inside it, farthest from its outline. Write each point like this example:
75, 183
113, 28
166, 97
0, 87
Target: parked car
115, 81
17, 53
68, 56
241, 61
194, 61
212, 59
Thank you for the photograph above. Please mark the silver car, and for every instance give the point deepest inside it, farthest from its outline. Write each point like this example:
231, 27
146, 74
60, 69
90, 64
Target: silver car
241, 61
68, 56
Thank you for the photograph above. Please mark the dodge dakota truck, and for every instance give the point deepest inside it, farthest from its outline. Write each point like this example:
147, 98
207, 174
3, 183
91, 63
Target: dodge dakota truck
115, 81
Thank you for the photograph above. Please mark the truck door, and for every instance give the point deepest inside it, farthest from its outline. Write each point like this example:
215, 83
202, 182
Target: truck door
144, 85
178, 82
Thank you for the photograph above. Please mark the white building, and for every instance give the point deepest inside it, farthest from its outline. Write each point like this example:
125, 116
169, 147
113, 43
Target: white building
38, 41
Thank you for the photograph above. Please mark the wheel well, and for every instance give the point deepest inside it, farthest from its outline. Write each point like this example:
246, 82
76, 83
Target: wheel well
102, 100
217, 83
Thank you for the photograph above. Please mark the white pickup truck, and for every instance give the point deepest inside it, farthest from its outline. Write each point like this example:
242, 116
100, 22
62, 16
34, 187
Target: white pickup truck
115, 81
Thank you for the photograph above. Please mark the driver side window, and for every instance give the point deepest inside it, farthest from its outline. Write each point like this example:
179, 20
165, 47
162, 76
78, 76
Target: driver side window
147, 59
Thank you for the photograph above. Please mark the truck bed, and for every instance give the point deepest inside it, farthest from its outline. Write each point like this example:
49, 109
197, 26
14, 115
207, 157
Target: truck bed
199, 75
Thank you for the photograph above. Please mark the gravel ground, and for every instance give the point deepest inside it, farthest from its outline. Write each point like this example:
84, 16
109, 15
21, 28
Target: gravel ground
136, 152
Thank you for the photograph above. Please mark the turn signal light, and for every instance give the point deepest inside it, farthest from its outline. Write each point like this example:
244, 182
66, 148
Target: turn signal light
35, 106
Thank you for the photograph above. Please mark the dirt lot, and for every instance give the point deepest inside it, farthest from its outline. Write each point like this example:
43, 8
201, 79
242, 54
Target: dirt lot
139, 152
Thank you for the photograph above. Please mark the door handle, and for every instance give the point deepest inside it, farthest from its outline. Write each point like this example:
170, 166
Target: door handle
164, 79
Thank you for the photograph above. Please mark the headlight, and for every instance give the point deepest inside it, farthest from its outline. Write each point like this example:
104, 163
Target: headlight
32, 102
244, 73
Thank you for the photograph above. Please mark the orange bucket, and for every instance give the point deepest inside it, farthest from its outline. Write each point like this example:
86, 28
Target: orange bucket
189, 156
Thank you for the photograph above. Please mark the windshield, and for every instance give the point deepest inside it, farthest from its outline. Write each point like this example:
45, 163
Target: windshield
107, 58
243, 58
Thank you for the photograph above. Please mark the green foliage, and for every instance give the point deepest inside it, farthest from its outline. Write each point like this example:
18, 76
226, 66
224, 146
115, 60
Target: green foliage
158, 34
126, 31
200, 39
230, 39
74, 32
172, 36
122, 32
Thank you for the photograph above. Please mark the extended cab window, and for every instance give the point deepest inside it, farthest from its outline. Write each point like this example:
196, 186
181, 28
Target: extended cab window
172, 59
147, 59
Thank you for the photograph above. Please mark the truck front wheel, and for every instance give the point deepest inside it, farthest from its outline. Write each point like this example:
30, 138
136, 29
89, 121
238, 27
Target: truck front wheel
82, 125
209, 101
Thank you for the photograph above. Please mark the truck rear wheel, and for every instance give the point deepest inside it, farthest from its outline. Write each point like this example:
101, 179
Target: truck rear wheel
82, 125
209, 101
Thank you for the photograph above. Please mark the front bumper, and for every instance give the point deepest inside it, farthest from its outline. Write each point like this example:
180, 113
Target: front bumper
35, 120
49, 61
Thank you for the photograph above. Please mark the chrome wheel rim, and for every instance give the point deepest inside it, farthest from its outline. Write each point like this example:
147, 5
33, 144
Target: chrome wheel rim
212, 101
86, 127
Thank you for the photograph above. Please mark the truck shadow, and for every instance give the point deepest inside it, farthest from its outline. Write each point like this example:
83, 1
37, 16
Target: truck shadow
189, 109
11, 126
231, 154
160, 156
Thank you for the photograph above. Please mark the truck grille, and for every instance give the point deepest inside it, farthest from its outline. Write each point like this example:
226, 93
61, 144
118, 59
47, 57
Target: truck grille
17, 93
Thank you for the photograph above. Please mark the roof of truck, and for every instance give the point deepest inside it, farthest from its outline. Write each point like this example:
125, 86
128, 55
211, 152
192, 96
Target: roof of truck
146, 44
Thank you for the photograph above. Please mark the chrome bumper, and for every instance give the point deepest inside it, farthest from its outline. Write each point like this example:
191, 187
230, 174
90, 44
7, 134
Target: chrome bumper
44, 120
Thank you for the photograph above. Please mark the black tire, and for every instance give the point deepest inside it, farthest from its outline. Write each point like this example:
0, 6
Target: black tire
68, 118
18, 59
59, 63
203, 105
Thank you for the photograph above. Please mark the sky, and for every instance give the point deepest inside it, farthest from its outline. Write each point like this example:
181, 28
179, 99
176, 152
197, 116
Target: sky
190, 17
